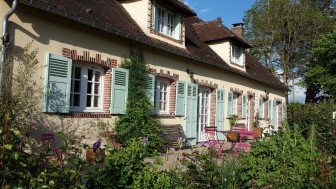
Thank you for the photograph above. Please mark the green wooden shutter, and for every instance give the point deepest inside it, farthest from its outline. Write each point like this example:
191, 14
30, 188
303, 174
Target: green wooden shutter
177, 28
229, 104
269, 109
56, 96
191, 111
244, 106
149, 85
260, 108
220, 111
180, 98
119, 91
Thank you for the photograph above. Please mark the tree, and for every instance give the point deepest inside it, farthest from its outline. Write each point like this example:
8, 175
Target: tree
284, 31
321, 76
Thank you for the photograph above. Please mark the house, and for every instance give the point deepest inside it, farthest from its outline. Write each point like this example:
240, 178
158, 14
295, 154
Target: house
201, 71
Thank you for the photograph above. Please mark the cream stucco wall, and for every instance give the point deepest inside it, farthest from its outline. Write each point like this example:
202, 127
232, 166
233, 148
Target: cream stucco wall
51, 33
138, 9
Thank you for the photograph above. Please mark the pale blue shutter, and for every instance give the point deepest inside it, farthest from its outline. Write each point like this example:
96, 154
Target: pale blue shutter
260, 108
177, 29
149, 85
56, 96
119, 91
180, 98
220, 111
269, 109
191, 112
244, 106
229, 104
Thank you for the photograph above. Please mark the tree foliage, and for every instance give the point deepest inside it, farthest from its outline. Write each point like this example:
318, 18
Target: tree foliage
321, 76
138, 120
319, 116
283, 31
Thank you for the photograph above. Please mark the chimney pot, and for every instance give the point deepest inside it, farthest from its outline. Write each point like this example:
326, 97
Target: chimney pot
237, 29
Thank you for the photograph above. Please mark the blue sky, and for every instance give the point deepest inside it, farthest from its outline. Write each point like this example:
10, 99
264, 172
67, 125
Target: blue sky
231, 11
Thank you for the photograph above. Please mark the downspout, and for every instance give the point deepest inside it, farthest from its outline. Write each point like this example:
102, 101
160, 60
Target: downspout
5, 36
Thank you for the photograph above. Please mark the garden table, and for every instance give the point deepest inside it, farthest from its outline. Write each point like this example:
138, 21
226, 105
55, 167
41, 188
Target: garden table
232, 138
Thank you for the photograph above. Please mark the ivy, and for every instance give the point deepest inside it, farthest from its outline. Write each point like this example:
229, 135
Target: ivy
138, 120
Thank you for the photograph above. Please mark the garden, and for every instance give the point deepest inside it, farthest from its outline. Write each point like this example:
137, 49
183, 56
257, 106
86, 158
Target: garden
301, 155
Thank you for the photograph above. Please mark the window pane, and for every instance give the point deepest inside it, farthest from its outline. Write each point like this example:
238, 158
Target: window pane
78, 72
97, 76
96, 88
76, 99
77, 86
88, 100
90, 75
96, 101
89, 88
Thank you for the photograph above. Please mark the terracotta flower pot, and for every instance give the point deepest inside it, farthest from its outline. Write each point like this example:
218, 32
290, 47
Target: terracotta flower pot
233, 137
258, 132
97, 156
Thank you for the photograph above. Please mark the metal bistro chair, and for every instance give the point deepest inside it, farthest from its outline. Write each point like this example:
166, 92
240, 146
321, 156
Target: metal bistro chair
212, 139
48, 141
244, 136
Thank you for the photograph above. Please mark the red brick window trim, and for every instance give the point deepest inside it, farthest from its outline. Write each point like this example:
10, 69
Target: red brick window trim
206, 84
250, 93
278, 100
107, 64
84, 115
97, 59
236, 90
167, 75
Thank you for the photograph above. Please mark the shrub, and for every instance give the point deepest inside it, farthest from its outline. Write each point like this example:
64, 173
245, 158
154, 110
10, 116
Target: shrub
138, 120
286, 160
320, 115
19, 166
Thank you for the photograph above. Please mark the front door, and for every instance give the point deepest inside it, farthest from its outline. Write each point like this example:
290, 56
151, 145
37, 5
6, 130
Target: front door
203, 112
191, 112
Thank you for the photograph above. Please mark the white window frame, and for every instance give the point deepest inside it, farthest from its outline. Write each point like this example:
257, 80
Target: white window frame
207, 108
263, 109
83, 89
157, 93
164, 21
235, 97
237, 54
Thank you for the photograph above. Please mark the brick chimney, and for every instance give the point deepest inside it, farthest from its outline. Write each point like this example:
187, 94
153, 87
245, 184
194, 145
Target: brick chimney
238, 29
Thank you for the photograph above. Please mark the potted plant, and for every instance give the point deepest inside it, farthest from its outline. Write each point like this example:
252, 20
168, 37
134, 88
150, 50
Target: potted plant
95, 153
256, 126
233, 121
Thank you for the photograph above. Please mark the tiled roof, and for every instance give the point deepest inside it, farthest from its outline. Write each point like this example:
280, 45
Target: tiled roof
110, 16
214, 31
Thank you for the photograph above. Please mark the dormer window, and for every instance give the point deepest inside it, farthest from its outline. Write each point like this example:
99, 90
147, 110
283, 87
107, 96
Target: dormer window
166, 22
237, 55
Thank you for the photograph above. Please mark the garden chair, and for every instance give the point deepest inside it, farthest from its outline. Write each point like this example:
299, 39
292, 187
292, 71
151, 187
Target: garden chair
48, 141
212, 139
243, 144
